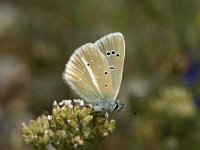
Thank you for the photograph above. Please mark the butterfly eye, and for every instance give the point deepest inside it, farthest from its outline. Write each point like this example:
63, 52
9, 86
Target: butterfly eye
88, 64
106, 72
83, 74
118, 55
92, 62
106, 85
85, 69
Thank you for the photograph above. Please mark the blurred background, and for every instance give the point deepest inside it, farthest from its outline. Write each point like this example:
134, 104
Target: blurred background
161, 80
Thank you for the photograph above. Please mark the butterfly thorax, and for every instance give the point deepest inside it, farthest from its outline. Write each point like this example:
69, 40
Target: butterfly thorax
108, 105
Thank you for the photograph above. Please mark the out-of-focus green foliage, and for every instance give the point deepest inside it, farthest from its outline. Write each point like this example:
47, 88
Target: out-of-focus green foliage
162, 66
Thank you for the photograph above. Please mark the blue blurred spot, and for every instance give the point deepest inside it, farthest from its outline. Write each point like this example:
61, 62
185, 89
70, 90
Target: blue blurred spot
197, 101
192, 74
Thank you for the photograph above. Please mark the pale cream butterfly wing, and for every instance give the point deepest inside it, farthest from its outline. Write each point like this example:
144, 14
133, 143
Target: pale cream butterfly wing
113, 48
87, 72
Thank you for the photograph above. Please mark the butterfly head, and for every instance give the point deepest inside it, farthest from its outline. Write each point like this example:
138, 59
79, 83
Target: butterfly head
118, 105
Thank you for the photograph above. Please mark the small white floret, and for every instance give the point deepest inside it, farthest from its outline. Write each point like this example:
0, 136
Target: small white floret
65, 102
49, 117
78, 101
70, 106
54, 103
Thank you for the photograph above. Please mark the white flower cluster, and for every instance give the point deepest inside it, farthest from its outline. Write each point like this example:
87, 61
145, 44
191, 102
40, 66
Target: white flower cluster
69, 104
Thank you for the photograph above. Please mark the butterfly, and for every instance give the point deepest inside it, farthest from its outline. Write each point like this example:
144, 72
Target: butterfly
94, 72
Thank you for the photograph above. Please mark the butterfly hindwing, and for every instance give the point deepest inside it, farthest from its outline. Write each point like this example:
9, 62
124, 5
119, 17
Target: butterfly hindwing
113, 48
88, 74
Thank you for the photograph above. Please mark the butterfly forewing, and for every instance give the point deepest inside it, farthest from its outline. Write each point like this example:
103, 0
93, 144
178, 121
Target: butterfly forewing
113, 48
88, 73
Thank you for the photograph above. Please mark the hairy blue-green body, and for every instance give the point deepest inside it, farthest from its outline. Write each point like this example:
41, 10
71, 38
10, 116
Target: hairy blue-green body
108, 105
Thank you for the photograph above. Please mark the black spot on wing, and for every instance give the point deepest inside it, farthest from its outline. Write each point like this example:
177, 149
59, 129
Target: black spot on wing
113, 52
112, 67
108, 53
